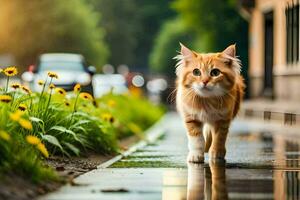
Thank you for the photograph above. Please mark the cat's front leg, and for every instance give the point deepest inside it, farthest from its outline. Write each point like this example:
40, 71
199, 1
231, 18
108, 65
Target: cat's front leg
218, 150
196, 143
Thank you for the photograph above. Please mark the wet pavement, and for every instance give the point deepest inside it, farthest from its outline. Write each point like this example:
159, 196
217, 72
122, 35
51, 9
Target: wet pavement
262, 162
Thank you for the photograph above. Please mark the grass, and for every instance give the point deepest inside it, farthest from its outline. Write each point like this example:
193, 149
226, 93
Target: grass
34, 126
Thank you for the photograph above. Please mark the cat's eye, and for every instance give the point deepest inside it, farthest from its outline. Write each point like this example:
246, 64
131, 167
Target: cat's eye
215, 72
196, 72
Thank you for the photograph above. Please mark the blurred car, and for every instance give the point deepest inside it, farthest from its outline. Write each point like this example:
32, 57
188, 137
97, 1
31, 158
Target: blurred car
70, 68
104, 83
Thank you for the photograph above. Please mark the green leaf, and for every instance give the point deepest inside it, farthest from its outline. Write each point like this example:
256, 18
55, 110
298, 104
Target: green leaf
52, 140
74, 149
81, 122
65, 130
37, 120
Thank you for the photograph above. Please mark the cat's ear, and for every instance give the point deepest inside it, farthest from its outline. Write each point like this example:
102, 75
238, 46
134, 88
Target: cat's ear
230, 51
229, 57
186, 52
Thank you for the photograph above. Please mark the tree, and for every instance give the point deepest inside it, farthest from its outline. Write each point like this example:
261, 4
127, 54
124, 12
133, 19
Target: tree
217, 23
165, 46
29, 29
120, 21
152, 15
131, 27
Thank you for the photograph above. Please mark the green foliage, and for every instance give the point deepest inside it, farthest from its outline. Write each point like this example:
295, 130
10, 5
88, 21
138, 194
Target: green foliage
211, 26
133, 117
36, 125
120, 21
217, 24
166, 44
50, 26
131, 27
152, 15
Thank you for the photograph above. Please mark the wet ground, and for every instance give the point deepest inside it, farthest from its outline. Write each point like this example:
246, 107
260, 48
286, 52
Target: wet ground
262, 163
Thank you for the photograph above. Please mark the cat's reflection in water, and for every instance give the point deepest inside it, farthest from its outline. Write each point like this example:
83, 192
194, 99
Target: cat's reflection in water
207, 183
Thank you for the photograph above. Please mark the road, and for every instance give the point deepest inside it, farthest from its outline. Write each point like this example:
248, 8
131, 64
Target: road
262, 162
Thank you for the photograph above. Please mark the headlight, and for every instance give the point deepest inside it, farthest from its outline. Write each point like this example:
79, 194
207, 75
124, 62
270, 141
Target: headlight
84, 79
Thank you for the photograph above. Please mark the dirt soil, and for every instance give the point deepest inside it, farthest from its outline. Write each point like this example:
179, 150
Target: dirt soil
13, 187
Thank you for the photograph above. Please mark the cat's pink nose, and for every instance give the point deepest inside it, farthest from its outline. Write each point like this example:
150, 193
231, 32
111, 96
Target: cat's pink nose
205, 82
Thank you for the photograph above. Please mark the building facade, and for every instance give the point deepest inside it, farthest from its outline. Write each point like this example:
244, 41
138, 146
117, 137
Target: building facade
274, 69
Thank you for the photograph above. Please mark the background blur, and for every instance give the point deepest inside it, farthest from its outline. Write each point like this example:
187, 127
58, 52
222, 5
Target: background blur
132, 37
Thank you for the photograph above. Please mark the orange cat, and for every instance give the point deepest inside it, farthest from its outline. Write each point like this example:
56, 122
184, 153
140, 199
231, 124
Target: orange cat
209, 92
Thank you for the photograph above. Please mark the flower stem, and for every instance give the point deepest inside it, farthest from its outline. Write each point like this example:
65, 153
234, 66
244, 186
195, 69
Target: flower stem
7, 82
74, 108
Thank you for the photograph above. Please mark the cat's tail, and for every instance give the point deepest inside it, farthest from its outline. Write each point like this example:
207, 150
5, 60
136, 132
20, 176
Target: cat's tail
207, 136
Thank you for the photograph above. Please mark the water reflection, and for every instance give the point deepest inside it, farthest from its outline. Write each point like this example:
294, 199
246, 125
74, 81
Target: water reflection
207, 182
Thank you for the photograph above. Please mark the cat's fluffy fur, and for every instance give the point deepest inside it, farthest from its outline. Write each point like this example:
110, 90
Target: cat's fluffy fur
209, 91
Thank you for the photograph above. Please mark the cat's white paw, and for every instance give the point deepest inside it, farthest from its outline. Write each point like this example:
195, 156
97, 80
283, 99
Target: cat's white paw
195, 157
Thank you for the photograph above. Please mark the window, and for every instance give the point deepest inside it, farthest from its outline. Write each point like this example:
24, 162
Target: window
292, 34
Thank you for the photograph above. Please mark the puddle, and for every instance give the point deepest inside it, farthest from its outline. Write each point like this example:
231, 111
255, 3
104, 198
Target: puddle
218, 182
259, 165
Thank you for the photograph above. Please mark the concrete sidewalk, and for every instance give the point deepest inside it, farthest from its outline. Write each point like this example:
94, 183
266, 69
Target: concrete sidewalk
261, 164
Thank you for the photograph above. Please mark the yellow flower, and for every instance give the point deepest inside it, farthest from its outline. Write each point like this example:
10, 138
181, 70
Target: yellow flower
41, 147
10, 71
1, 70
108, 117
15, 85
31, 139
77, 88
86, 96
26, 89
16, 115
52, 75
51, 86
41, 82
5, 98
67, 103
25, 124
111, 103
4, 135
22, 107
60, 91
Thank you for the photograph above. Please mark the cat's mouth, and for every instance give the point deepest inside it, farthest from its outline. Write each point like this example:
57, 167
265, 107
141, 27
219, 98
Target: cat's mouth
207, 91
206, 88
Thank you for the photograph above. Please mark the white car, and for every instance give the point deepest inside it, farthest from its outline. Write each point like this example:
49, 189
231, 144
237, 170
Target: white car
70, 68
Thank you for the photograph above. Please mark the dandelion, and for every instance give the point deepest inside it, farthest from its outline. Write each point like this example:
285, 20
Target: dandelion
4, 135
26, 89
52, 75
67, 103
60, 91
15, 85
111, 103
77, 88
86, 96
108, 117
41, 147
10, 71
51, 86
25, 124
16, 115
41, 82
22, 107
31, 139
5, 98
